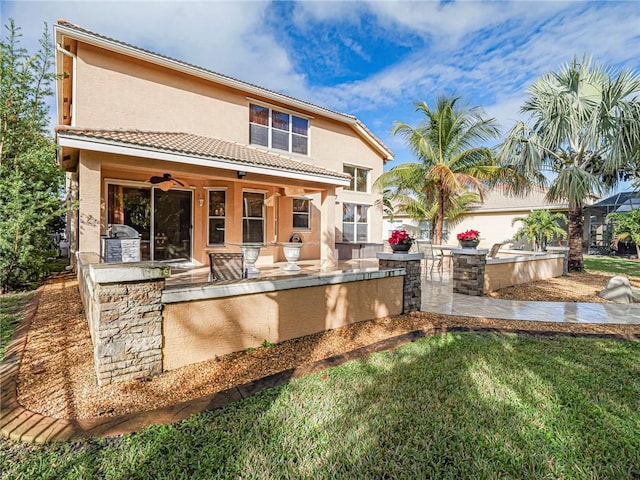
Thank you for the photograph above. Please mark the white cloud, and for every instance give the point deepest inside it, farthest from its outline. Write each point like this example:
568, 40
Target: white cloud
494, 67
227, 37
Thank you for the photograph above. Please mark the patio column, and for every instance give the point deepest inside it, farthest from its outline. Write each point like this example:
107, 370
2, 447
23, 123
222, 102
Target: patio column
328, 228
72, 229
468, 270
89, 214
412, 284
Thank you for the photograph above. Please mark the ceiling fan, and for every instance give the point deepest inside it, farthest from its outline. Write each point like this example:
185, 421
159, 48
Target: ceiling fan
166, 181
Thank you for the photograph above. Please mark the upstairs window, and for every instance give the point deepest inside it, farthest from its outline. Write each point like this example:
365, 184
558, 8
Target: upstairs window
282, 131
359, 178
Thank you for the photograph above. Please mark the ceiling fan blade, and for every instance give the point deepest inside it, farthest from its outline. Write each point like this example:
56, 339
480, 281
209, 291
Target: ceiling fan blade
167, 180
156, 180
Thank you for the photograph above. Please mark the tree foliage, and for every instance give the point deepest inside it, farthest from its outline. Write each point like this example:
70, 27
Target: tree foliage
540, 227
584, 129
30, 182
626, 227
451, 163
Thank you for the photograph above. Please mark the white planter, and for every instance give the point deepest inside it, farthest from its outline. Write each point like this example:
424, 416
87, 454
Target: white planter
292, 254
250, 256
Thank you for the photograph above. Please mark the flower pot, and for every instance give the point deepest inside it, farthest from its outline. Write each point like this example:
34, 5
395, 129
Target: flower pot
469, 243
292, 254
400, 247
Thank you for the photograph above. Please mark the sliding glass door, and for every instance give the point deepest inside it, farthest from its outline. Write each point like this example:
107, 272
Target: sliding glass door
172, 224
130, 205
163, 219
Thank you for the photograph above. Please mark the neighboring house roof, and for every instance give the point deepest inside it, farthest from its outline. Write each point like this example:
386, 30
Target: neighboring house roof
195, 149
71, 30
497, 200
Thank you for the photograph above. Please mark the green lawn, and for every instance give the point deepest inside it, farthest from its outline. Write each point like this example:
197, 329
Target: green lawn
614, 265
11, 309
460, 405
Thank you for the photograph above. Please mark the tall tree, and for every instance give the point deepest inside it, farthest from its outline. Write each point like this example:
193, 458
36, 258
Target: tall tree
540, 226
451, 161
584, 128
30, 182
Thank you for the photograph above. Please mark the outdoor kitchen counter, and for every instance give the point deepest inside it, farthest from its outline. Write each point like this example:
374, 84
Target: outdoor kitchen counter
181, 293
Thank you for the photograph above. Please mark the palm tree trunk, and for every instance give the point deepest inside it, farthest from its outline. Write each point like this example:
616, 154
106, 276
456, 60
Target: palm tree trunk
576, 227
440, 225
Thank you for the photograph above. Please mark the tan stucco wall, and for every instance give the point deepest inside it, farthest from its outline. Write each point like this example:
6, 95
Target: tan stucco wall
201, 330
494, 228
501, 275
114, 91
493, 218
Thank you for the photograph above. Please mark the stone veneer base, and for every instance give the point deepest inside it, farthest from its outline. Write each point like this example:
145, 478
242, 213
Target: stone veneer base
412, 284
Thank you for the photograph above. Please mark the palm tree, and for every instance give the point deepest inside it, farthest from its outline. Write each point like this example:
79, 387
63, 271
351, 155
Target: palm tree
585, 129
450, 162
540, 226
421, 209
626, 227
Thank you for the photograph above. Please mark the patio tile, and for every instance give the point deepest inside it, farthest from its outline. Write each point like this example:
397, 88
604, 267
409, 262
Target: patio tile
438, 297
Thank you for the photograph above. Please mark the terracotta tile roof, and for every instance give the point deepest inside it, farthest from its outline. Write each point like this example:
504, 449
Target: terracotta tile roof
202, 147
285, 97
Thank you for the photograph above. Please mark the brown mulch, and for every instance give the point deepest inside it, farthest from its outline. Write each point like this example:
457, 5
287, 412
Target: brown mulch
576, 287
57, 377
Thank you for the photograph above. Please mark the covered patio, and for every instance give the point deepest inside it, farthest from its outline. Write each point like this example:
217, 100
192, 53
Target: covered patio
188, 195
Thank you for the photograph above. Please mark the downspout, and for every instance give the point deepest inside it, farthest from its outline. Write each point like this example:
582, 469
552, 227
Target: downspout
74, 59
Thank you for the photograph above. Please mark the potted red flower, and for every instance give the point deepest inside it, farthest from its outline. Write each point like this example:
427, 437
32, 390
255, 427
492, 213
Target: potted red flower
400, 241
469, 239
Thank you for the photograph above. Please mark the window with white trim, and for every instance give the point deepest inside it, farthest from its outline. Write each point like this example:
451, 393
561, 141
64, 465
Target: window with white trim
253, 217
282, 131
359, 178
217, 216
355, 223
301, 213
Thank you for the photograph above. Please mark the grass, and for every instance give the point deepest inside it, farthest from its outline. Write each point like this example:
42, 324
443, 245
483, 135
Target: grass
11, 309
615, 265
459, 405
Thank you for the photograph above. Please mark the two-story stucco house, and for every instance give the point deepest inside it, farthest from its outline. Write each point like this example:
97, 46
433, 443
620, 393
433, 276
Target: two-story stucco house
199, 162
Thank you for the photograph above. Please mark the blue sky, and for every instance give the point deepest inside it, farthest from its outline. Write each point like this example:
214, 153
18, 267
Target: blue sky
372, 59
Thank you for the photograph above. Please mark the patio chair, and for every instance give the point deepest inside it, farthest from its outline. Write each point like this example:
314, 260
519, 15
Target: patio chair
434, 258
493, 253
226, 266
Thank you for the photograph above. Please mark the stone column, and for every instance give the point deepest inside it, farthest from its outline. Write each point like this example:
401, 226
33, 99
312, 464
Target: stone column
564, 251
468, 270
126, 320
412, 283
